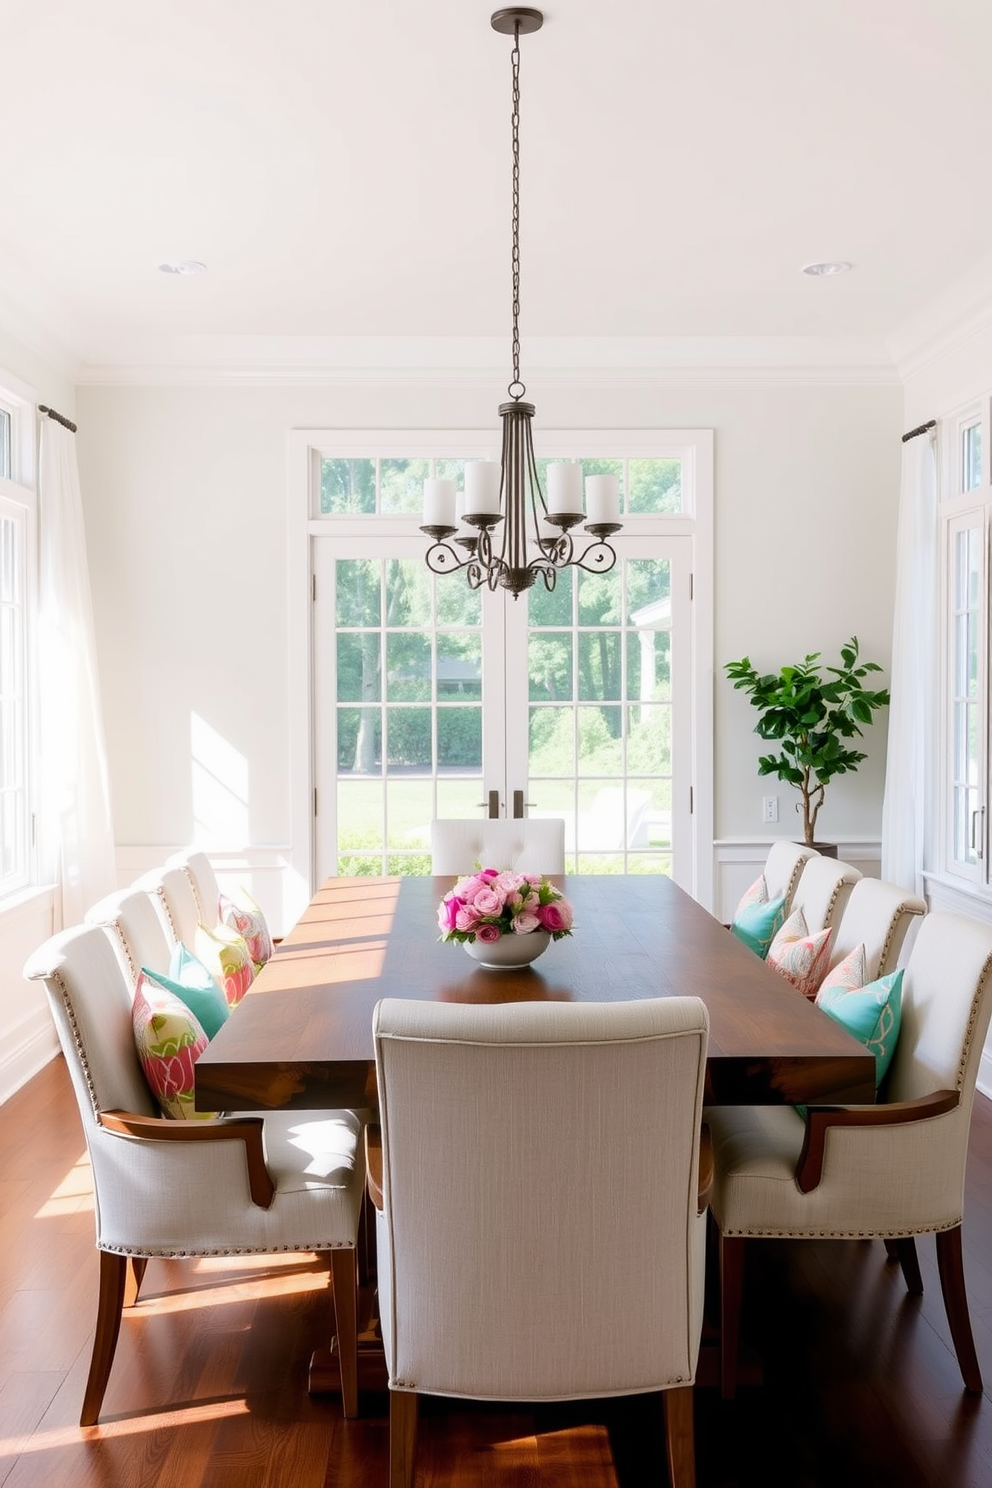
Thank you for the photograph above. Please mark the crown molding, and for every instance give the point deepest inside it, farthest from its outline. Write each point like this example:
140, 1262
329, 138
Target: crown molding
482, 361
948, 322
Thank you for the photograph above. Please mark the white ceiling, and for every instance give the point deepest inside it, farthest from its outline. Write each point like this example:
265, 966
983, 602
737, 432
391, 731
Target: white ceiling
343, 169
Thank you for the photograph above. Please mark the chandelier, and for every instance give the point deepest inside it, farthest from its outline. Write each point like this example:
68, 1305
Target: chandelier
535, 539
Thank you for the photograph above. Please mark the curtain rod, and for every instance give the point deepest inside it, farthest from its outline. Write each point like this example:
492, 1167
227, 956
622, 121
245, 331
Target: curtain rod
921, 429
58, 417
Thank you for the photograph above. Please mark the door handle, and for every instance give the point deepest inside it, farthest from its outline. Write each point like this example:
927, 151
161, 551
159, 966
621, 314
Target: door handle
519, 803
491, 807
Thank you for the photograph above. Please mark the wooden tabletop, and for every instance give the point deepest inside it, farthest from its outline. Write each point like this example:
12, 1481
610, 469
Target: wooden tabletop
302, 1037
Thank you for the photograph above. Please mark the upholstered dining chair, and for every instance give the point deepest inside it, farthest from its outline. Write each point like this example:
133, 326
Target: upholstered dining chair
894, 1170
527, 845
203, 881
541, 1229
878, 915
823, 891
783, 866
175, 900
175, 1188
136, 931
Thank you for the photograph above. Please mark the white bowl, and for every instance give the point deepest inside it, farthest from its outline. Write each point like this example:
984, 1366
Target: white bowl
509, 951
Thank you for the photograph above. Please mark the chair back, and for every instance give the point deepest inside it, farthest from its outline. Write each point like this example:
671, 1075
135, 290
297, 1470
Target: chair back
176, 903
878, 916
539, 1237
783, 866
823, 891
90, 1000
946, 1007
203, 881
527, 845
136, 931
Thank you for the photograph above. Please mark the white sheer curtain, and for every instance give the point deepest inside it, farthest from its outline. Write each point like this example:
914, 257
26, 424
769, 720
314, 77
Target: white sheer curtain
77, 838
914, 673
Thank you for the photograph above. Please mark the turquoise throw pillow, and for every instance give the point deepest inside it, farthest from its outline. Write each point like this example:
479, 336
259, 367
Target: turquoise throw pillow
190, 981
758, 924
873, 1014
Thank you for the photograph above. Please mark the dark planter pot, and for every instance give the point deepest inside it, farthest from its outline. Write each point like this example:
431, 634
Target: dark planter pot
825, 849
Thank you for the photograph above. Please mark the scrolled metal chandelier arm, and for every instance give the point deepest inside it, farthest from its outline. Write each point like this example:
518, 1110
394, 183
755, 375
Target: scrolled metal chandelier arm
519, 490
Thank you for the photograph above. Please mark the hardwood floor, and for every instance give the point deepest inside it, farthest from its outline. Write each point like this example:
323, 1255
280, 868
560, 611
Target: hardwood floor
860, 1389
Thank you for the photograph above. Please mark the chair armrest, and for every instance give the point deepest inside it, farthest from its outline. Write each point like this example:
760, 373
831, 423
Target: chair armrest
246, 1129
373, 1163
819, 1120
705, 1186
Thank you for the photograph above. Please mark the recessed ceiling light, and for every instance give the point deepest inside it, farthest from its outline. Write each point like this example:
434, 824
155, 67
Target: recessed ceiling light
182, 266
834, 266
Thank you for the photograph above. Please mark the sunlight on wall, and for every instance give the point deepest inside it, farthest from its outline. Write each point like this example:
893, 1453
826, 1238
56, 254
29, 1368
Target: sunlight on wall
220, 788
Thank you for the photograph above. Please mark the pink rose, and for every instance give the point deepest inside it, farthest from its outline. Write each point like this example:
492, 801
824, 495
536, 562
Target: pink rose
447, 912
467, 918
557, 916
488, 901
525, 922
487, 932
489, 874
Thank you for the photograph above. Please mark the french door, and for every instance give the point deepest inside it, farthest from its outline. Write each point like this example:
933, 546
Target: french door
430, 699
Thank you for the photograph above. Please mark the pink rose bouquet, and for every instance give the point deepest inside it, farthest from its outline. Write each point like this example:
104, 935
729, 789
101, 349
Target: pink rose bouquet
488, 904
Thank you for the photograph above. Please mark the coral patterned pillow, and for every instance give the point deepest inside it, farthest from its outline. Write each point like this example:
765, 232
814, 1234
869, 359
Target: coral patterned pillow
226, 956
801, 957
169, 1040
848, 975
240, 912
756, 894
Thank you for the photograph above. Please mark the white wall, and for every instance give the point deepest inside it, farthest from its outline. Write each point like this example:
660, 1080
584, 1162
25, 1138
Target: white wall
185, 494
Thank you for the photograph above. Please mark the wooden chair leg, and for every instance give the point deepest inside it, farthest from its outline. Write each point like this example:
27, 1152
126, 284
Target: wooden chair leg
403, 1407
680, 1437
344, 1272
731, 1289
904, 1251
136, 1266
113, 1278
950, 1264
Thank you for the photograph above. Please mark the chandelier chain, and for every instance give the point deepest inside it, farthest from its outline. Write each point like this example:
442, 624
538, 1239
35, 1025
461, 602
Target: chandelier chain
515, 256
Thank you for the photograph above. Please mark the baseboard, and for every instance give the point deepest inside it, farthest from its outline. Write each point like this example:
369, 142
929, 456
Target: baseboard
22, 1060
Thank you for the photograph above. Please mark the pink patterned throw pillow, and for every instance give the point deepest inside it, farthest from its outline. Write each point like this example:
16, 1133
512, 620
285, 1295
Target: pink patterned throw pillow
798, 955
226, 956
240, 912
169, 1040
756, 894
849, 975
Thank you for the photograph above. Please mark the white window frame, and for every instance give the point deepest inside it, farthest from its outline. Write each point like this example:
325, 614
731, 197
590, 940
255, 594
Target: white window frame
307, 448
19, 501
961, 508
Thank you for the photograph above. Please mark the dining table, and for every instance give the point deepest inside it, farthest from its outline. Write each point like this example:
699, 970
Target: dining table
301, 1038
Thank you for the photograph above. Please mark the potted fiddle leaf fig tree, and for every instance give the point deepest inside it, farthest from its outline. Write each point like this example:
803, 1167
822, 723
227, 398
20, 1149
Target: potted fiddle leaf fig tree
811, 712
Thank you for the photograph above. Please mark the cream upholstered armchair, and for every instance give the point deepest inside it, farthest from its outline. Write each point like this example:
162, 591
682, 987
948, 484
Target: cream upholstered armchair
179, 1188
823, 891
136, 931
783, 866
203, 880
541, 1234
178, 907
527, 845
878, 916
894, 1170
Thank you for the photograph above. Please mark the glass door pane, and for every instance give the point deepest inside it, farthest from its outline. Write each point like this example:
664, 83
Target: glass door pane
965, 716
598, 699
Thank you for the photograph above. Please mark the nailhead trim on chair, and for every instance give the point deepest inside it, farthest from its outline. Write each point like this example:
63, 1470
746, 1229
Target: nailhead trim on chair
808, 1234
171, 1254
84, 1062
